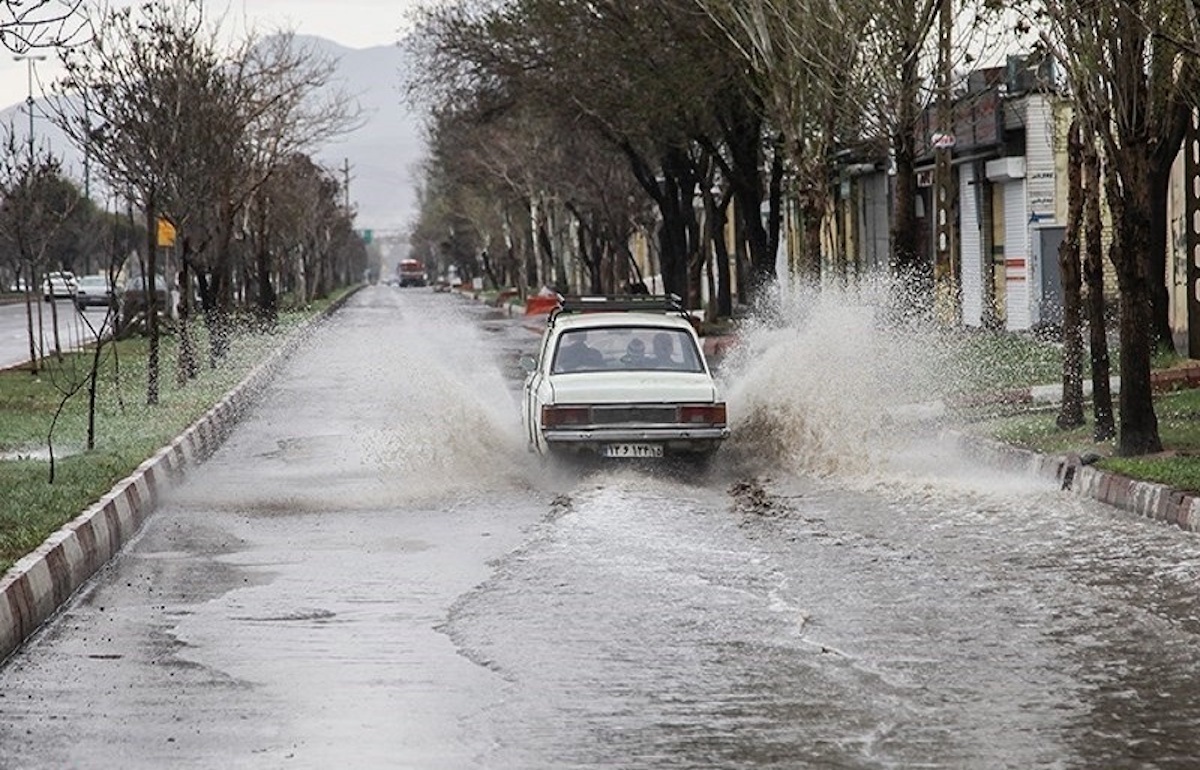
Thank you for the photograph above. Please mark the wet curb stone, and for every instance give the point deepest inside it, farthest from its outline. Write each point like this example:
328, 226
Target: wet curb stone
34, 589
1141, 498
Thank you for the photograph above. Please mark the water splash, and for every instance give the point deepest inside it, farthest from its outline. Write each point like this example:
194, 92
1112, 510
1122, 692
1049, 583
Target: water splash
448, 425
820, 383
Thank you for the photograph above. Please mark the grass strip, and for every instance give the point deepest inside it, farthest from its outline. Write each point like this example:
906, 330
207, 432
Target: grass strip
1177, 466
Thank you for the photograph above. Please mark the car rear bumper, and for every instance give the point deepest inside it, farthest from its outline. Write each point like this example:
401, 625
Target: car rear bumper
673, 439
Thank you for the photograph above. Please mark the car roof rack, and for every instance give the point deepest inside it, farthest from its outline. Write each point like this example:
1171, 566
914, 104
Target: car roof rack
607, 303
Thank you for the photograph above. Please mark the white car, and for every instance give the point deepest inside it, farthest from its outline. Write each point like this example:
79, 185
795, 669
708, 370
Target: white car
59, 285
622, 378
93, 290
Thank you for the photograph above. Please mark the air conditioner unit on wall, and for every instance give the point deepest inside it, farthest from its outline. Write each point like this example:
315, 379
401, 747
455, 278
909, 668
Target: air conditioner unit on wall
1005, 169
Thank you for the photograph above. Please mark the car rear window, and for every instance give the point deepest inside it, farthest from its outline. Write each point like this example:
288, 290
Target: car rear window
626, 348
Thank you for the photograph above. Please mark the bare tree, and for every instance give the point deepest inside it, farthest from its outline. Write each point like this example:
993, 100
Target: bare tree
651, 79
1104, 427
38, 24
190, 126
804, 56
1126, 74
36, 202
289, 228
1070, 413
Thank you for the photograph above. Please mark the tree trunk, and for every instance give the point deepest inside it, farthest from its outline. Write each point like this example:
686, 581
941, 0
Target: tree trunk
58, 354
679, 229
1160, 324
186, 365
1162, 159
747, 195
1070, 413
811, 216
217, 295
673, 237
739, 258
35, 362
266, 304
718, 219
1093, 274
743, 132
1128, 195
907, 262
151, 288
92, 381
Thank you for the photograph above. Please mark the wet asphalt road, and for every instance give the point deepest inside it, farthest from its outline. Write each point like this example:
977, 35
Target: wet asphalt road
373, 573
73, 330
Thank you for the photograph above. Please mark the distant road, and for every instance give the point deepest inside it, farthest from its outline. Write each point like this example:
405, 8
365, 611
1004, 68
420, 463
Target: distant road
72, 330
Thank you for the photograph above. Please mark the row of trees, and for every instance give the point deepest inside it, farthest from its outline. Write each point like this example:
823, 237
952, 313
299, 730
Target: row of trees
612, 116
560, 128
212, 135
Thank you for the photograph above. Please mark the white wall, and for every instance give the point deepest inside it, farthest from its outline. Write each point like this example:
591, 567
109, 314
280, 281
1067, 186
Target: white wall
1016, 255
970, 246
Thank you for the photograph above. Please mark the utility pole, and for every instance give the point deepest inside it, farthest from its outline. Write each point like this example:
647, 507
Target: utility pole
29, 59
346, 182
87, 147
945, 278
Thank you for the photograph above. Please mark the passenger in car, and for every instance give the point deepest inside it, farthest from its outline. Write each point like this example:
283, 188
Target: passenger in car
664, 351
578, 354
635, 354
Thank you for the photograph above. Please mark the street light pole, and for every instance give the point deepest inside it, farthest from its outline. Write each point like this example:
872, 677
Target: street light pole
29, 59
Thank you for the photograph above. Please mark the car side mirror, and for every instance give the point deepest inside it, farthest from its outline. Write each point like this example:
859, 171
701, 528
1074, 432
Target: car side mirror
528, 364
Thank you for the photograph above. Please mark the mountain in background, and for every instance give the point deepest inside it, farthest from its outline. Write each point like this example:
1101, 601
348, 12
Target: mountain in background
383, 153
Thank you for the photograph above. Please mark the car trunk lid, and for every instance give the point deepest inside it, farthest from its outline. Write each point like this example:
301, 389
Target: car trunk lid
632, 388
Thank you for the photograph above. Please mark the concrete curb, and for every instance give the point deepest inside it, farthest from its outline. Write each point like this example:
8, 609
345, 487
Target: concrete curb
39, 584
1141, 498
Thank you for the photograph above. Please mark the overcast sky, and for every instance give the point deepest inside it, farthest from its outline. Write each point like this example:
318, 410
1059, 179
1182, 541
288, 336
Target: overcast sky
352, 23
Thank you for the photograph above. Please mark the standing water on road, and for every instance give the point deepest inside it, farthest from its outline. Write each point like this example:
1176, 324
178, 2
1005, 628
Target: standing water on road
845, 592
373, 572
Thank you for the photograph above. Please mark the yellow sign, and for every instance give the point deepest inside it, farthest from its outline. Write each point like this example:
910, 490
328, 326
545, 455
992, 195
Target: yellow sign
166, 232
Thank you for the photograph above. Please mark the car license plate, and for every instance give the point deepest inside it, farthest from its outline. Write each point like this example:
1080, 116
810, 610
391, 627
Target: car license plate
633, 450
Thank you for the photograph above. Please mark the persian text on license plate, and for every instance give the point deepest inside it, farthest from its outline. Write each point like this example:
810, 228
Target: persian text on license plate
633, 450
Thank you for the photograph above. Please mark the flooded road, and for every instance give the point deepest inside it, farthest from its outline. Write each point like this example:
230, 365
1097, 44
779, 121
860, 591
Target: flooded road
373, 572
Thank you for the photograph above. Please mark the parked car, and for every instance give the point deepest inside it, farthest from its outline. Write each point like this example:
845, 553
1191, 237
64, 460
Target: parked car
93, 290
622, 378
59, 284
134, 297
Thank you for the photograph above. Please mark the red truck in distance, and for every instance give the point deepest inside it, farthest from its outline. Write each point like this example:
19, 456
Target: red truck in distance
410, 272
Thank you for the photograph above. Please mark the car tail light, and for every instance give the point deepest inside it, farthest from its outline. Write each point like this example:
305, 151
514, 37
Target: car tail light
559, 416
702, 414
